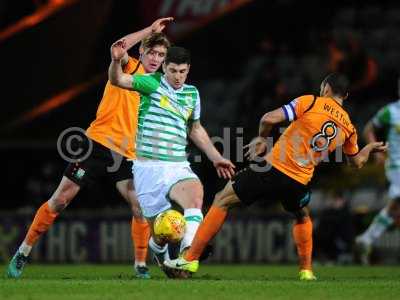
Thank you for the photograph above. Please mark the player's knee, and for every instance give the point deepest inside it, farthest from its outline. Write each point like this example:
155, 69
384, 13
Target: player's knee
58, 203
394, 205
301, 215
221, 201
197, 202
60, 200
136, 210
394, 209
159, 241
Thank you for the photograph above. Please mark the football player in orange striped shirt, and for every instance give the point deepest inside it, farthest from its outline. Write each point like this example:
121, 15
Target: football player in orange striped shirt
319, 125
112, 136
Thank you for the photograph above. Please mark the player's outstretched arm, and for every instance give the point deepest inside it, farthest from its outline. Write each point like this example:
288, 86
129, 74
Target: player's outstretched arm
259, 145
362, 157
133, 38
269, 120
115, 74
199, 136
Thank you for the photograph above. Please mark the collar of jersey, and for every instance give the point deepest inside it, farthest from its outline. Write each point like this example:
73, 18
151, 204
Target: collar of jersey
171, 89
336, 101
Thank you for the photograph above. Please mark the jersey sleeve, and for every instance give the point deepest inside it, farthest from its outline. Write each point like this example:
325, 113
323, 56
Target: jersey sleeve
197, 107
382, 118
146, 83
131, 66
350, 146
297, 107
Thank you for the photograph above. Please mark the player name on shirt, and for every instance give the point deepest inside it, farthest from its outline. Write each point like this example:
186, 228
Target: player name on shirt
337, 114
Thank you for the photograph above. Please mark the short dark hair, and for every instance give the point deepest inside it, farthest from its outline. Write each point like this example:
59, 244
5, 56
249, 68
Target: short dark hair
177, 55
338, 83
156, 39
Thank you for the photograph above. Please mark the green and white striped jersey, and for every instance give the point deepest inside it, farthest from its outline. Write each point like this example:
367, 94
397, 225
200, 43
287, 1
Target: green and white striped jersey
388, 118
164, 117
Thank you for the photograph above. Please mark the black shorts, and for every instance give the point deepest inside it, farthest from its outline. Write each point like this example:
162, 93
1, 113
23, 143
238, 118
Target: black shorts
102, 162
267, 184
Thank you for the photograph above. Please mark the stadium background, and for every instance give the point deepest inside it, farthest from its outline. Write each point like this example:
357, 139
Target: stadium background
248, 57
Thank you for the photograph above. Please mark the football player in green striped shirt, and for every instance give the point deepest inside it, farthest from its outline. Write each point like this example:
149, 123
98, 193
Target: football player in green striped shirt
169, 113
386, 121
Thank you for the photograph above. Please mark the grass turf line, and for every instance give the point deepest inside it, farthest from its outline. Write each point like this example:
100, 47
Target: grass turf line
212, 282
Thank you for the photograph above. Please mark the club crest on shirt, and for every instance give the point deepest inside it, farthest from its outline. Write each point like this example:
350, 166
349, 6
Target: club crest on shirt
79, 173
184, 110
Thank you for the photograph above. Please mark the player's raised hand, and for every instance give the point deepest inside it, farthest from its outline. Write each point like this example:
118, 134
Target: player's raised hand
159, 24
225, 168
256, 147
118, 50
379, 147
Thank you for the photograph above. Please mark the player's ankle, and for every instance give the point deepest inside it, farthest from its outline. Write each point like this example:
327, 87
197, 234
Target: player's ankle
186, 256
25, 249
140, 264
157, 248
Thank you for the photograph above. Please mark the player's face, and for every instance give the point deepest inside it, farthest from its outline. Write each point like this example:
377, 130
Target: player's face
152, 58
176, 74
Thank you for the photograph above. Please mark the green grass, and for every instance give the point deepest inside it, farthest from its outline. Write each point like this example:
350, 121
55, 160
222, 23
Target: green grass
212, 282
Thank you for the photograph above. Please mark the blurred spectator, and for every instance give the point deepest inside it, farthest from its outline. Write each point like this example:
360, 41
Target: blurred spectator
334, 234
41, 184
348, 56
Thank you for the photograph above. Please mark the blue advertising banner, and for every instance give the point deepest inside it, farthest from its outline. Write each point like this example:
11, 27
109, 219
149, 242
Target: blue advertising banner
108, 240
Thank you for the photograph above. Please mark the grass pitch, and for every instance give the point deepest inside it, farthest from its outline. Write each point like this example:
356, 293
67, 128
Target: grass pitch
211, 282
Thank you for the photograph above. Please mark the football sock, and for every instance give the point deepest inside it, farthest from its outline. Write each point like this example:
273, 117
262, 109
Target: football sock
140, 233
156, 248
302, 235
44, 218
25, 249
193, 218
212, 223
378, 226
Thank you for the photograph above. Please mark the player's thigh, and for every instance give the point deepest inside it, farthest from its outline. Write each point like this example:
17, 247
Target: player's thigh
393, 176
86, 172
63, 195
248, 186
262, 182
122, 177
152, 184
126, 189
188, 193
393, 207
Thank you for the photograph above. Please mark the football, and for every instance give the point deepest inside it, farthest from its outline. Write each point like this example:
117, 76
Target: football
170, 226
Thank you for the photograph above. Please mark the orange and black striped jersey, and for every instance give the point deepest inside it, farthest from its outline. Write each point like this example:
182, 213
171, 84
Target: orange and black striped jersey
117, 116
319, 126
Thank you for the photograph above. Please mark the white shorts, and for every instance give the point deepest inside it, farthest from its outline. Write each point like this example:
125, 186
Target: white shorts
154, 180
393, 176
